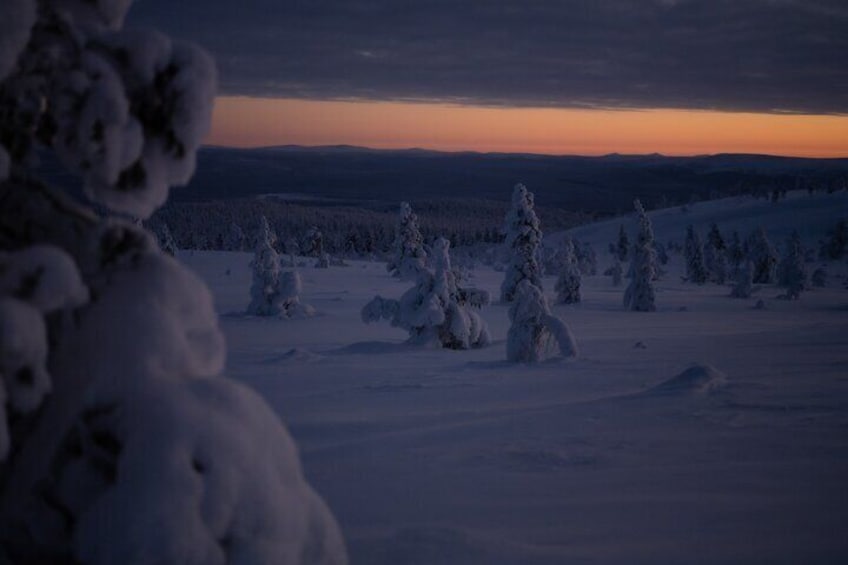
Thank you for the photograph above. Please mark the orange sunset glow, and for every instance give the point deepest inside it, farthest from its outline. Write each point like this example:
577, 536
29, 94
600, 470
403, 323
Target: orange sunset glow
254, 122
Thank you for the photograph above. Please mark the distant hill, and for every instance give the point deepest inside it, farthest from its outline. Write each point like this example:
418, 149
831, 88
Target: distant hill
599, 185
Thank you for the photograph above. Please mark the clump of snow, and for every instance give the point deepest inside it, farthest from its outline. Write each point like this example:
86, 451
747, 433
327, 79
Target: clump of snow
534, 333
44, 276
523, 237
23, 362
697, 379
189, 488
132, 116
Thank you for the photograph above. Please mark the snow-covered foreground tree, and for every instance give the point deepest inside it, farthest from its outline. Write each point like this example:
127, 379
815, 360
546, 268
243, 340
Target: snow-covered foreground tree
534, 333
523, 236
119, 440
408, 258
435, 311
640, 295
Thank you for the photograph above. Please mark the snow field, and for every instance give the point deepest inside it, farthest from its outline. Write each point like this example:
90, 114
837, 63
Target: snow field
440, 456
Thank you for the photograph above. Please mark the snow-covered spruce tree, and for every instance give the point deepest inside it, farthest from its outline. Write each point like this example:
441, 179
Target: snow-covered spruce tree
587, 259
264, 291
763, 255
622, 246
534, 333
291, 247
616, 271
640, 295
696, 270
734, 254
435, 311
744, 281
715, 256
120, 441
568, 284
315, 247
523, 236
408, 255
792, 271
235, 238
836, 245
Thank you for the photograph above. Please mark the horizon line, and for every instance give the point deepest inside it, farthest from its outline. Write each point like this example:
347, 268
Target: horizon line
330, 146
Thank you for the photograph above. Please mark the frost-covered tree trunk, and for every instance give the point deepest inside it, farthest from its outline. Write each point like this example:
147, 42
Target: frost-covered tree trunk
696, 270
120, 441
523, 237
264, 291
534, 333
436, 311
763, 255
408, 256
568, 284
640, 295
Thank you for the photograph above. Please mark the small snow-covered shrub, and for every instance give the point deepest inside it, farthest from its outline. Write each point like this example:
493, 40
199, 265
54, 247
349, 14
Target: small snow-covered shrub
523, 237
435, 311
534, 333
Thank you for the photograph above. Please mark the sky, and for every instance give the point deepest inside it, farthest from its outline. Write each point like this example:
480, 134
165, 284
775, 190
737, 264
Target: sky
545, 76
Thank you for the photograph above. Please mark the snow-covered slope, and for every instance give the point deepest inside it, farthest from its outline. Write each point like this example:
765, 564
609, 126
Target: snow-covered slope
708, 431
811, 215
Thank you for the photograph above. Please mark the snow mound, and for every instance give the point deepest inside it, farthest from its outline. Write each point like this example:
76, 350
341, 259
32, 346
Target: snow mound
296, 354
697, 379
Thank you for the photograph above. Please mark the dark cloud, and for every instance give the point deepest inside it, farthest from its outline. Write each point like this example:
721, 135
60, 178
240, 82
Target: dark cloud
757, 55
